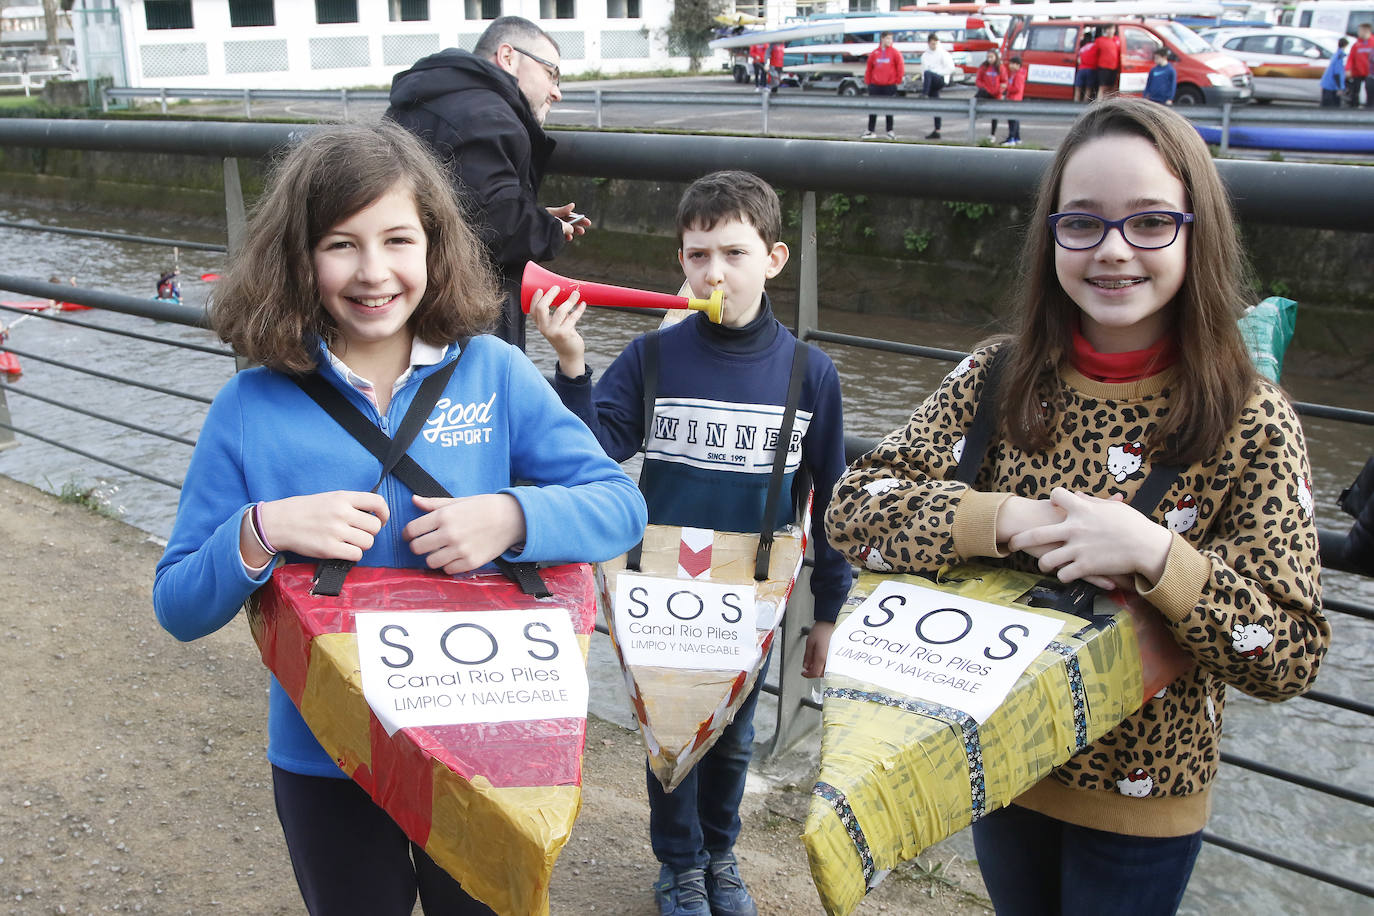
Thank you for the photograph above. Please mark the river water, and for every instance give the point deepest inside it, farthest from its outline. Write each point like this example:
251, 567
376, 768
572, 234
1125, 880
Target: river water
880, 390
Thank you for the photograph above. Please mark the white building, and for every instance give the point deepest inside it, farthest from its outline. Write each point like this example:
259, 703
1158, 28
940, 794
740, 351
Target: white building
334, 44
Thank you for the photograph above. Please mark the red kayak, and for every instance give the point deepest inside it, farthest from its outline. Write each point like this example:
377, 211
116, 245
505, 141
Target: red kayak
28, 305
9, 365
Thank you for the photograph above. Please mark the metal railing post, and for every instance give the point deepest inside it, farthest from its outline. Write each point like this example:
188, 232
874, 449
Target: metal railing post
972, 121
808, 303
105, 101
235, 222
598, 109
162, 96
248, 103
343, 93
1225, 126
7, 439
796, 720
766, 93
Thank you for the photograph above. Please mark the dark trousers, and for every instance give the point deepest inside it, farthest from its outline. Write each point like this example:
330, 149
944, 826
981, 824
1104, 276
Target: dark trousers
1013, 129
700, 818
1331, 98
873, 115
1352, 86
931, 84
1034, 865
760, 74
984, 94
351, 859
1106, 80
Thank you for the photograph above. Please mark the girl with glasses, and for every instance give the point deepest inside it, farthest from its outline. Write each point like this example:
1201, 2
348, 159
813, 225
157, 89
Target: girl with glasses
1126, 359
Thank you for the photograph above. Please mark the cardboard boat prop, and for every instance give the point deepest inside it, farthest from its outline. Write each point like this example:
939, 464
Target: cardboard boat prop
493, 803
898, 774
682, 711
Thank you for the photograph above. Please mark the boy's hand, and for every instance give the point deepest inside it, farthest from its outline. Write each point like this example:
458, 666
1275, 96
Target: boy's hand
338, 525
559, 327
574, 223
817, 648
460, 534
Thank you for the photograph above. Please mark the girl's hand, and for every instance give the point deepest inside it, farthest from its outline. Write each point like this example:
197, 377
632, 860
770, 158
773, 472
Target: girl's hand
1020, 514
1103, 541
459, 535
338, 525
559, 327
817, 648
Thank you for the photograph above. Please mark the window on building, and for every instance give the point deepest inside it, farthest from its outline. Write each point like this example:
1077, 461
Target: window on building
622, 9
482, 9
408, 10
336, 11
246, 13
863, 6
168, 14
557, 9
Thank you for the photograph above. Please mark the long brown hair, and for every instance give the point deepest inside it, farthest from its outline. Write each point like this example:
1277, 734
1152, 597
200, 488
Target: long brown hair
1214, 372
268, 304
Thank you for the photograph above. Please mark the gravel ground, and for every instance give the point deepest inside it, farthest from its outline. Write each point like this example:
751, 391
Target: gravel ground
133, 777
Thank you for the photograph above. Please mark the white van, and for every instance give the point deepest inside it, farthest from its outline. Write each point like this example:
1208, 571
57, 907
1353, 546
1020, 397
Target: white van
1334, 15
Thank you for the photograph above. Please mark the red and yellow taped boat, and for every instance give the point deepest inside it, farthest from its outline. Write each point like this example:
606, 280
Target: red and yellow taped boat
491, 803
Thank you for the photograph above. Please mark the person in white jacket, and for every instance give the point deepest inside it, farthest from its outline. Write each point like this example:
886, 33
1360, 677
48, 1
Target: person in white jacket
937, 70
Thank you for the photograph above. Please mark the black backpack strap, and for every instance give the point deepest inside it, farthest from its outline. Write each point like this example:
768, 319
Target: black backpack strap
979, 436
391, 452
763, 555
651, 362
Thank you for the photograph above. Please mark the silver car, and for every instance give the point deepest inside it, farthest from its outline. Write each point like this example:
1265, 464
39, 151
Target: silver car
1286, 63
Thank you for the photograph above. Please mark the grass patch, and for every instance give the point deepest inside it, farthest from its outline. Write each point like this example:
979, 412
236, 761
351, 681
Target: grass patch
97, 497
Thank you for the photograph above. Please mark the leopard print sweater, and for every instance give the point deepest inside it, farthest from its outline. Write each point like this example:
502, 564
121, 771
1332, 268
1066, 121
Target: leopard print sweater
1240, 587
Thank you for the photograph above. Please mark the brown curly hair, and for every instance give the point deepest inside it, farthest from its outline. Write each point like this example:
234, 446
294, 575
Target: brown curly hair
268, 305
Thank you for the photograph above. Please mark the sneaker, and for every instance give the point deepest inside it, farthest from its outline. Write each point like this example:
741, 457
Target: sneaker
867, 135
725, 888
1011, 141
892, 135
681, 893
933, 135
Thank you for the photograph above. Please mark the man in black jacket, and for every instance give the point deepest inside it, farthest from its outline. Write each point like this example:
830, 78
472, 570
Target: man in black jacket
483, 114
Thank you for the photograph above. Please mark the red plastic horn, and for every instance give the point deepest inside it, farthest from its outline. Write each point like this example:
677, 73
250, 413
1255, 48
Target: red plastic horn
537, 278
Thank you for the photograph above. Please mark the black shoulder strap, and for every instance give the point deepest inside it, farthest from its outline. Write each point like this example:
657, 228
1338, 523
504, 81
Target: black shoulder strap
330, 574
650, 377
979, 436
763, 555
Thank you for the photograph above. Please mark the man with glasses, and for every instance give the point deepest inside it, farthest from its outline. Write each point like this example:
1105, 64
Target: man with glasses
483, 114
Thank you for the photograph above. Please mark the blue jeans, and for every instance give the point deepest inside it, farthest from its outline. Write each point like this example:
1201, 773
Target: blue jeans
1034, 865
700, 818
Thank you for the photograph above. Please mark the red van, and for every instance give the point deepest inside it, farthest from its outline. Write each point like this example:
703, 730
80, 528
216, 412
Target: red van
1048, 49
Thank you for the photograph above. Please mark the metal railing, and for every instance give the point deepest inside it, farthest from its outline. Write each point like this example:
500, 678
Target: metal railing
971, 110
981, 175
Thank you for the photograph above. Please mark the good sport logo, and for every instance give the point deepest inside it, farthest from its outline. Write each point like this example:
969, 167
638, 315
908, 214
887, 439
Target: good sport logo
459, 424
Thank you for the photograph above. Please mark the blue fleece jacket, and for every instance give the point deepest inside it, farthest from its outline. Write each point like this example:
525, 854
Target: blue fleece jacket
1333, 80
265, 439
717, 412
1161, 83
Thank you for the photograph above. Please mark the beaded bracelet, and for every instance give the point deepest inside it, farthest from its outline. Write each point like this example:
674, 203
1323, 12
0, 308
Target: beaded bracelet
258, 532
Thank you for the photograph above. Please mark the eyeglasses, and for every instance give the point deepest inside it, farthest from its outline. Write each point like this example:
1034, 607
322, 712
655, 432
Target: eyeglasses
554, 73
1147, 230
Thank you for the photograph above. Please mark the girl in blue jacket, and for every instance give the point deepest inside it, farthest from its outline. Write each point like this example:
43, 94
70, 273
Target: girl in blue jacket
359, 266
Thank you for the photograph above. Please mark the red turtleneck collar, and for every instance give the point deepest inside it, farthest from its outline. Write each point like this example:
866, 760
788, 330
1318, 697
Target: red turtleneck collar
1130, 366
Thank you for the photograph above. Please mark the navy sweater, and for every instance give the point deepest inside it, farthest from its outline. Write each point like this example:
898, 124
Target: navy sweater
717, 412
